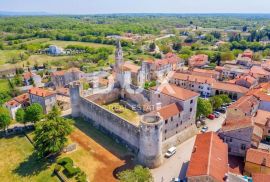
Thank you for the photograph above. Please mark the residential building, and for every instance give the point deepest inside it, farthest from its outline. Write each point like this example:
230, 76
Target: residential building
63, 78
247, 81
209, 159
198, 61
245, 59
232, 90
206, 73
231, 71
46, 98
261, 74
21, 101
257, 161
262, 119
55, 50
199, 84
240, 134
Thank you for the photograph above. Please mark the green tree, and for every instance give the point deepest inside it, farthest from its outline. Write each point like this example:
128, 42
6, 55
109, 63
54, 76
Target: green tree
216, 101
138, 174
5, 118
20, 116
51, 136
226, 99
54, 113
204, 107
152, 47
34, 113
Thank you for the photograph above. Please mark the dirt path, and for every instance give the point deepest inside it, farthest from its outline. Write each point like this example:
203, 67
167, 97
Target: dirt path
109, 163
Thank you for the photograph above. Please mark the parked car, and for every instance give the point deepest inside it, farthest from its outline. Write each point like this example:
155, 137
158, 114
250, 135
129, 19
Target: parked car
216, 114
204, 129
211, 116
175, 180
221, 110
170, 152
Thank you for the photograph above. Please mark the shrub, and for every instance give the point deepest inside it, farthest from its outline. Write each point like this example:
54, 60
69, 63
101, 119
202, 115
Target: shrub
70, 170
64, 161
57, 168
81, 177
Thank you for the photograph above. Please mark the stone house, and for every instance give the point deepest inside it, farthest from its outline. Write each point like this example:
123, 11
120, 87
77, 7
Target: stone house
257, 161
262, 119
240, 134
46, 98
63, 78
247, 81
232, 90
206, 73
209, 159
177, 107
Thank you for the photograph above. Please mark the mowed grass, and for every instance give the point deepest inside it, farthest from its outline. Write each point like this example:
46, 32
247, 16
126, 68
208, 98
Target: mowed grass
19, 164
125, 113
4, 85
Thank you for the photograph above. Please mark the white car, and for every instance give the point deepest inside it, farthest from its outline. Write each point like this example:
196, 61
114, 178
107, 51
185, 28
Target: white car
175, 180
170, 152
204, 129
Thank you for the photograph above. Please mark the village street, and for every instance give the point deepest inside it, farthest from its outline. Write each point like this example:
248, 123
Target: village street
177, 165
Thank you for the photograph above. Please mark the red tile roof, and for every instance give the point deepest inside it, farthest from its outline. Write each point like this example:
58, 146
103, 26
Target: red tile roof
27, 75
22, 98
262, 117
12, 103
131, 67
59, 73
193, 78
209, 157
40, 92
245, 103
198, 60
170, 110
236, 123
258, 156
258, 71
229, 87
257, 177
174, 91
262, 92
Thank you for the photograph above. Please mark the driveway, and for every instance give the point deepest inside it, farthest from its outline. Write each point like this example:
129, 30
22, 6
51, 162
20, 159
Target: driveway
177, 165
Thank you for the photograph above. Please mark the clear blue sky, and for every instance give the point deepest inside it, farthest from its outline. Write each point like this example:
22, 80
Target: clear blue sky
136, 6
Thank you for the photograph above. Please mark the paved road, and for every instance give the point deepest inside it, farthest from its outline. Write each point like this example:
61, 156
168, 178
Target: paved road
176, 166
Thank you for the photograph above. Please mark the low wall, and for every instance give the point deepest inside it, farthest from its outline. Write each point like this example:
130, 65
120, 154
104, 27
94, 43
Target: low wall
179, 138
120, 129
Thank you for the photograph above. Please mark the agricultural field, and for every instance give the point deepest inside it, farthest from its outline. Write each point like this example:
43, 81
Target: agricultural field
64, 44
19, 164
4, 85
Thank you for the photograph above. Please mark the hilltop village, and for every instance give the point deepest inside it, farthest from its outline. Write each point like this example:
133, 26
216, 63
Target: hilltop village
176, 111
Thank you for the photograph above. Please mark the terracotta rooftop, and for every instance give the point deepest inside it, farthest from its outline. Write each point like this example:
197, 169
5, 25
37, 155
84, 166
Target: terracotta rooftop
258, 177
212, 72
258, 156
58, 73
193, 78
22, 98
229, 87
262, 92
209, 157
170, 110
12, 103
198, 60
27, 75
236, 123
40, 92
258, 71
245, 103
174, 91
262, 117
250, 79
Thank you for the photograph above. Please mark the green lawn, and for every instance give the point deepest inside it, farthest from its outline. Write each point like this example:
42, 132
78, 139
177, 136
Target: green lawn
125, 113
4, 85
19, 164
6, 55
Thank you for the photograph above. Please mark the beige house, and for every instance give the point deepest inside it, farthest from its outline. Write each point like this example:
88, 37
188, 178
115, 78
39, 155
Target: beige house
63, 78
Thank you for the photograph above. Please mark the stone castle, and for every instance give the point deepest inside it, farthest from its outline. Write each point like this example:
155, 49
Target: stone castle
167, 115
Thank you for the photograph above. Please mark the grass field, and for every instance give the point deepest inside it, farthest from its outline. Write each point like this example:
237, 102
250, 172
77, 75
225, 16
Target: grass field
19, 164
97, 154
6, 55
125, 113
4, 85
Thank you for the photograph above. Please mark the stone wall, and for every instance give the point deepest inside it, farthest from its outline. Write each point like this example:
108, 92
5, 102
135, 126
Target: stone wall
123, 131
179, 138
105, 98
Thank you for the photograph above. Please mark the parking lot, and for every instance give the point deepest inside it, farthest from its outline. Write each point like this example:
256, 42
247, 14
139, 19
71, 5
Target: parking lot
177, 165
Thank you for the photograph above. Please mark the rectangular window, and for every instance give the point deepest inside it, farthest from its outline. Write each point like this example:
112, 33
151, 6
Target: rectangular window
190, 109
230, 139
171, 118
243, 147
166, 121
191, 101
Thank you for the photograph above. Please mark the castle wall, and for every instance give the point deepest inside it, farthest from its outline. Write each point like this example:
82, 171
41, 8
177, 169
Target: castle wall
105, 98
115, 126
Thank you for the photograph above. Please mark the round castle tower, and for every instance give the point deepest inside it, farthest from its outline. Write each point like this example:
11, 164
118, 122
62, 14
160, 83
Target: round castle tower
150, 144
75, 90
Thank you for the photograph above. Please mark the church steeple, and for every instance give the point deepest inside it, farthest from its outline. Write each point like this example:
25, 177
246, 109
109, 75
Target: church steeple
119, 58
